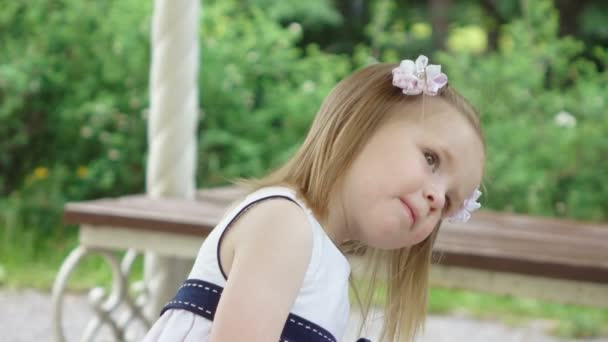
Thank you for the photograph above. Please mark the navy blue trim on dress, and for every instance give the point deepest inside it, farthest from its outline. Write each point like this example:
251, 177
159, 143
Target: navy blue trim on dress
247, 207
197, 296
201, 298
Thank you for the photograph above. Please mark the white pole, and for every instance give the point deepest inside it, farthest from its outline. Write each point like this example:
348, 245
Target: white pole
171, 129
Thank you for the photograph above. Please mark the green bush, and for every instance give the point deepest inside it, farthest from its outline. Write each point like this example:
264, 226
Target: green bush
72, 87
259, 92
543, 109
73, 101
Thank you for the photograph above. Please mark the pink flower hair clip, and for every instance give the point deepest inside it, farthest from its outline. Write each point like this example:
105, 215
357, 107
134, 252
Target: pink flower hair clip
419, 77
469, 206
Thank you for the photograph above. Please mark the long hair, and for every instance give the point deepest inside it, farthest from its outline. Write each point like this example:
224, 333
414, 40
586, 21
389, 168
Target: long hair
348, 117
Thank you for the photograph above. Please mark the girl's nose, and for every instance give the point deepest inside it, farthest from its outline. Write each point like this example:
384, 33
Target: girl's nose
435, 198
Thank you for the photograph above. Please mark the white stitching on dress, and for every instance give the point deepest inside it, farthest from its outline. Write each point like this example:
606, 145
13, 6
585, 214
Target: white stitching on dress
309, 327
198, 285
190, 304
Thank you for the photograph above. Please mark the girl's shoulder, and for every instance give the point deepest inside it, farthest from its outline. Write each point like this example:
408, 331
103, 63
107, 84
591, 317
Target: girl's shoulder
266, 254
274, 224
273, 218
273, 210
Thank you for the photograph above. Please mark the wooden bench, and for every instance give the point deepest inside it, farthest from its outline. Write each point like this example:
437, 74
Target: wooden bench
551, 259
172, 227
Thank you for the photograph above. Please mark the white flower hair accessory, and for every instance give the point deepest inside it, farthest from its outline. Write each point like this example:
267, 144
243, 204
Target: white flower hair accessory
469, 206
419, 77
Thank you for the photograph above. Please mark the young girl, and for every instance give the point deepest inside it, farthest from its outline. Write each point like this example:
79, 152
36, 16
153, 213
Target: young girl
392, 152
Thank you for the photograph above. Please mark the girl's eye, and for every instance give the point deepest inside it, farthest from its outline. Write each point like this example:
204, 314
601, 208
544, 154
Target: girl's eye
432, 159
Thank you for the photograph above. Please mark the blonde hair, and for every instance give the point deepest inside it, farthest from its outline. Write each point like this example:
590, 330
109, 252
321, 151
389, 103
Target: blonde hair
348, 117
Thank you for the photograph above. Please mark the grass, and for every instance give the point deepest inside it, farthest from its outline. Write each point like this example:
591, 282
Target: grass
37, 268
565, 320
26, 262
562, 320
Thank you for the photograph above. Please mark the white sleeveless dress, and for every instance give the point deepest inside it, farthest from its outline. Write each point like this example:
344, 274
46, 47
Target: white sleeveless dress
322, 300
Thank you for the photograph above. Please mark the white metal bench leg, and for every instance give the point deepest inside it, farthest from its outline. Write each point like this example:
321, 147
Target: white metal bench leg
104, 305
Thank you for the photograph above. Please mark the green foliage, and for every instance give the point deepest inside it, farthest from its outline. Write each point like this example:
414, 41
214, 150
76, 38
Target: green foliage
543, 109
71, 91
73, 84
395, 32
593, 21
259, 95
313, 14
73, 102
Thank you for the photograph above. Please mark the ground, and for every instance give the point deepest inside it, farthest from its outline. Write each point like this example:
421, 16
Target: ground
26, 316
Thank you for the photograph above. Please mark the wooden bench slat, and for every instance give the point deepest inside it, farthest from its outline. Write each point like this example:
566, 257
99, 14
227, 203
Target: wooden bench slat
512, 262
547, 269
170, 215
518, 222
566, 256
487, 240
562, 249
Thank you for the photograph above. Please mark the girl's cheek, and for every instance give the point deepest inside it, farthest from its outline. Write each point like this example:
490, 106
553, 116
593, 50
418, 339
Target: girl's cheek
422, 171
423, 233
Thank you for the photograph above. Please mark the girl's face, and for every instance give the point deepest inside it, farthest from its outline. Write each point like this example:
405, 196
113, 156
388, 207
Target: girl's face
415, 170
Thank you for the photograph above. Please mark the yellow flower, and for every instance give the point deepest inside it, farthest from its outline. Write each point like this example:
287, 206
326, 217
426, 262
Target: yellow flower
82, 172
41, 173
421, 30
468, 39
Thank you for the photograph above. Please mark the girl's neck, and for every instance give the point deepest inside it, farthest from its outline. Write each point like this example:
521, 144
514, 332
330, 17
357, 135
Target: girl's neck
335, 221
